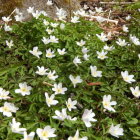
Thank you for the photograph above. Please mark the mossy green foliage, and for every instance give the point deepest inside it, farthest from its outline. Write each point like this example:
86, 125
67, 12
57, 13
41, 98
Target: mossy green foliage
17, 65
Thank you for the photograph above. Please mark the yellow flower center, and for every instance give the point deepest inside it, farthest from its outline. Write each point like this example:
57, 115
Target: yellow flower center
94, 73
50, 75
6, 109
75, 80
52, 40
24, 90
49, 100
35, 52
3, 95
115, 131
69, 105
59, 90
27, 139
49, 54
75, 138
44, 134
102, 56
126, 78
106, 104
136, 93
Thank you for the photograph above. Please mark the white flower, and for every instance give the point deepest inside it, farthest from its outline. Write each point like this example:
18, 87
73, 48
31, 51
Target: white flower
7, 28
58, 89
76, 60
85, 7
107, 103
108, 48
135, 40
102, 55
85, 50
46, 22
91, 12
36, 52
100, 19
61, 52
76, 137
53, 39
8, 109
46, 133
49, 31
49, 2
102, 37
71, 104
61, 14
19, 18
49, 53
54, 25
94, 72
41, 70
75, 19
43, 13
71, 119
87, 117
28, 136
51, 75
127, 78
60, 115
99, 10
63, 115
9, 43
62, 26
76, 13
121, 42
36, 14
6, 19
86, 56
82, 13
46, 40
116, 131
15, 126
139, 56
135, 91
17, 11
125, 28
81, 43
50, 100
128, 17
75, 80
4, 94
24, 89
109, 34
30, 10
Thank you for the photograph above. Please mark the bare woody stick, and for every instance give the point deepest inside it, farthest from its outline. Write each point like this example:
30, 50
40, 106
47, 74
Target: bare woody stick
12, 13
48, 84
109, 16
120, 3
105, 19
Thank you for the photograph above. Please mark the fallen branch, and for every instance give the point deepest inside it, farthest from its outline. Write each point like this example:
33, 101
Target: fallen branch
48, 84
120, 3
109, 16
94, 84
104, 19
12, 13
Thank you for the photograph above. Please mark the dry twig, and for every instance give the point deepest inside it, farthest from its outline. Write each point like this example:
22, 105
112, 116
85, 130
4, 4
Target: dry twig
48, 84
105, 19
120, 3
